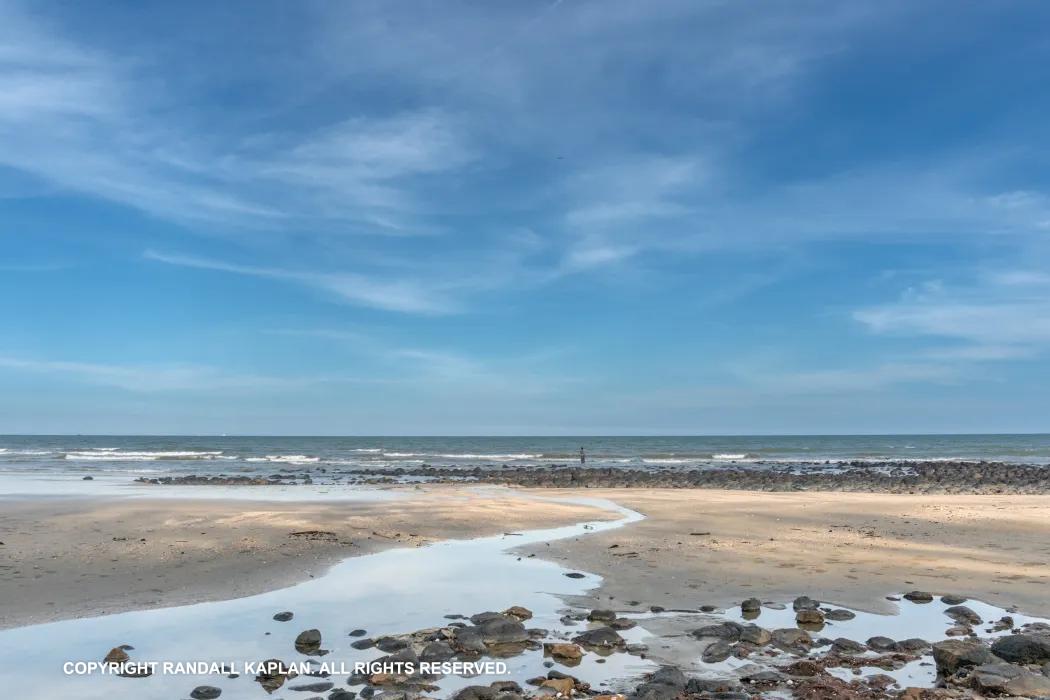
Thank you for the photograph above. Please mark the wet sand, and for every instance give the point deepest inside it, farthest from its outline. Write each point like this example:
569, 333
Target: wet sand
65, 558
718, 547
73, 557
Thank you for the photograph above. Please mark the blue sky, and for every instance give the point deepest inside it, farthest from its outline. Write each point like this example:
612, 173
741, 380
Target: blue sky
516, 218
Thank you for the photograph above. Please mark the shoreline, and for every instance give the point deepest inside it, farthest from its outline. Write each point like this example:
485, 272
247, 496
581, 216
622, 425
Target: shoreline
854, 476
65, 558
693, 547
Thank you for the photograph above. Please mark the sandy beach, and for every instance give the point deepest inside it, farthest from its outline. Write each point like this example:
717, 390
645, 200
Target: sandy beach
66, 558
719, 547
76, 557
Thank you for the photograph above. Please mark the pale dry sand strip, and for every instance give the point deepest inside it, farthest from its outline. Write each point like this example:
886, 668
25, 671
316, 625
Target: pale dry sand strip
719, 547
66, 558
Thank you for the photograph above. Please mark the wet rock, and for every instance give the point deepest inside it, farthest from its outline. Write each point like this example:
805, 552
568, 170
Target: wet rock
205, 692
806, 668
809, 617
116, 655
669, 675
847, 647
436, 651
1023, 648
696, 686
716, 651
882, 644
564, 652
562, 686
1007, 679
723, 630
955, 654
753, 634
751, 605
839, 615
476, 692
272, 674
308, 641
912, 645
340, 694
504, 630
601, 616
600, 637
366, 643
283, 616
622, 623
919, 597
654, 691
468, 640
792, 639
318, 687
479, 618
575, 574
953, 599
358, 633
804, 602
391, 644
518, 612
961, 613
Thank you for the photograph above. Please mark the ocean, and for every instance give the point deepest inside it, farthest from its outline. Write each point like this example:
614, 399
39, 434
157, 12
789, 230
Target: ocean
175, 455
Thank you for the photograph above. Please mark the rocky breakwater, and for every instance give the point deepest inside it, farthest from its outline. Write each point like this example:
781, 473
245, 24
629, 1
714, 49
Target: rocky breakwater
860, 476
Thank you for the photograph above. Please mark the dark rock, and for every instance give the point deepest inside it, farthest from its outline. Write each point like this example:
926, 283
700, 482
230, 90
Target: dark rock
669, 675
1007, 679
882, 644
504, 630
436, 651
518, 612
751, 605
468, 640
753, 634
804, 602
476, 692
809, 617
919, 597
601, 616
622, 623
308, 641
839, 615
205, 692
716, 651
847, 647
283, 616
575, 574
366, 643
91, 478
953, 599
358, 633
728, 630
792, 639
601, 637
391, 644
1023, 648
955, 654
319, 687
912, 645
961, 613
341, 694
654, 691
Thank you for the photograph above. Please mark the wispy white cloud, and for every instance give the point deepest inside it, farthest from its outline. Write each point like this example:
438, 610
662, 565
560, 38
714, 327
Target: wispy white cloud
391, 295
151, 377
1003, 315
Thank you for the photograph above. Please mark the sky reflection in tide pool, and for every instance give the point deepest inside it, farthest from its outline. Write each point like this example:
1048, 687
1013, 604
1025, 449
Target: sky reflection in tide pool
392, 592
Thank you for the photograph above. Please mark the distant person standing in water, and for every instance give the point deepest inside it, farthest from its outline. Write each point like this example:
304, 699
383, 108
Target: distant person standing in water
583, 456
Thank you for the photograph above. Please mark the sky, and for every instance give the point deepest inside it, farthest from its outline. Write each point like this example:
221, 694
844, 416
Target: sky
559, 217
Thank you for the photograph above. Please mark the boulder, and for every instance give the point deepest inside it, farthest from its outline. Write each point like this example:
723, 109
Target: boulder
1023, 648
955, 654
436, 651
809, 617
751, 605
753, 634
518, 612
601, 616
669, 675
804, 602
716, 651
504, 630
1007, 679
284, 616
